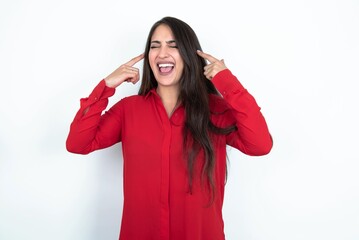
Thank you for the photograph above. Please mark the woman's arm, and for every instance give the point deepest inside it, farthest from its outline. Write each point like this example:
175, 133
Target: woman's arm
91, 130
252, 136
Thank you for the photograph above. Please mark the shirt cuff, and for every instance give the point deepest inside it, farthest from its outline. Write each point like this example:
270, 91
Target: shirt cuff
101, 91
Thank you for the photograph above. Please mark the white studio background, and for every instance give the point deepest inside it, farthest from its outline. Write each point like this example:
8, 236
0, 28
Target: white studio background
300, 60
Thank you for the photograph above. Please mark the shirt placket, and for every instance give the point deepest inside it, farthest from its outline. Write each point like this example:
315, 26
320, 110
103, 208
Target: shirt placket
165, 177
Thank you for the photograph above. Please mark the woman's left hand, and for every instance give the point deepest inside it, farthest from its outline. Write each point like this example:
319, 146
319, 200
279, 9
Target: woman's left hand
214, 66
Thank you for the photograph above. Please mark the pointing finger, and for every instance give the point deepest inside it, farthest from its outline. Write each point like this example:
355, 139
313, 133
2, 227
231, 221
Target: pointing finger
206, 56
135, 60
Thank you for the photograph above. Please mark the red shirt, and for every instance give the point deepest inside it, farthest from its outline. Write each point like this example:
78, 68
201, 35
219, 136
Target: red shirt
157, 202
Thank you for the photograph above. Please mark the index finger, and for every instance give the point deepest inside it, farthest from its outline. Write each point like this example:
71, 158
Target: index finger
135, 60
206, 56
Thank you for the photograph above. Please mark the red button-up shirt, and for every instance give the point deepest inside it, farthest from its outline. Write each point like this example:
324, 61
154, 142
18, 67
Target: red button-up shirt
157, 202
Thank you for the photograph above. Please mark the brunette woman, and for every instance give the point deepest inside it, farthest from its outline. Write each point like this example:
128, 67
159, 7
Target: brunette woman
174, 135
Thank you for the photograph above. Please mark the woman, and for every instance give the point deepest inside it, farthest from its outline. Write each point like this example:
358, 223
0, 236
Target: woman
174, 135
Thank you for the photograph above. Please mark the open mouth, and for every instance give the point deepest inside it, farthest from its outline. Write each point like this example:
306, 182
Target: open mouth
165, 67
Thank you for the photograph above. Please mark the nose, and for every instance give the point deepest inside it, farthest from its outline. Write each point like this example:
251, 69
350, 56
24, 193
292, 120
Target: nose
163, 52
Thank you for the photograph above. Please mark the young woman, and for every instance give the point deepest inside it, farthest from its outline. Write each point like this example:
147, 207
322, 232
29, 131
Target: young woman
174, 135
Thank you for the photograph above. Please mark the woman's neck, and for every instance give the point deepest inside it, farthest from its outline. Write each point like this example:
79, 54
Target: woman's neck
169, 97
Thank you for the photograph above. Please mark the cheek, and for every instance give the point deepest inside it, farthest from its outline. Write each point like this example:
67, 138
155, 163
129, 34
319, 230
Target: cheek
179, 60
151, 60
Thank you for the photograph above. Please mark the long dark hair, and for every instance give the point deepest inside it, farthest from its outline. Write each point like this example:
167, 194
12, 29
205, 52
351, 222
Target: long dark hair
194, 95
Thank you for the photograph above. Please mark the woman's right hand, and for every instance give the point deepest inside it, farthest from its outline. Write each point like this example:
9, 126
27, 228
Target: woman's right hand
125, 73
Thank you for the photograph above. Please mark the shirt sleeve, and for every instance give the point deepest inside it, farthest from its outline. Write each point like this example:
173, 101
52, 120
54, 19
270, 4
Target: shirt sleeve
91, 130
252, 136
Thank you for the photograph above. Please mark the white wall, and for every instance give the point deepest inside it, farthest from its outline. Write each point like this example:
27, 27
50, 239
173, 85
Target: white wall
300, 59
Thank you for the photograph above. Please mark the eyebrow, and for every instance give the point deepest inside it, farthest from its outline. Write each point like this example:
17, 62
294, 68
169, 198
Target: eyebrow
168, 42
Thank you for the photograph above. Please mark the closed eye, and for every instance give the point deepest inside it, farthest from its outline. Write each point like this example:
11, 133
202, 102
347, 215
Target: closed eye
171, 44
157, 44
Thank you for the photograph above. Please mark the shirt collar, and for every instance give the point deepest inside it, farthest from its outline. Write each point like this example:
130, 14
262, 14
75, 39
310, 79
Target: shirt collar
151, 92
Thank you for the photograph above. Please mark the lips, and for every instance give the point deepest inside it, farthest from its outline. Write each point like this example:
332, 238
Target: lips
165, 67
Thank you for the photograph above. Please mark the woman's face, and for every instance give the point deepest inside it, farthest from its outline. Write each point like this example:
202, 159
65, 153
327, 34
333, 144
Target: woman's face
164, 58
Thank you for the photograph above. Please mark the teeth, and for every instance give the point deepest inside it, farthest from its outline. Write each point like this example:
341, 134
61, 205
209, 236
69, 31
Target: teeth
165, 65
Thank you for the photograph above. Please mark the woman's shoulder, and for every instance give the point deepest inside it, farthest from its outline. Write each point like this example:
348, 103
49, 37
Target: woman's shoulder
133, 98
129, 102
